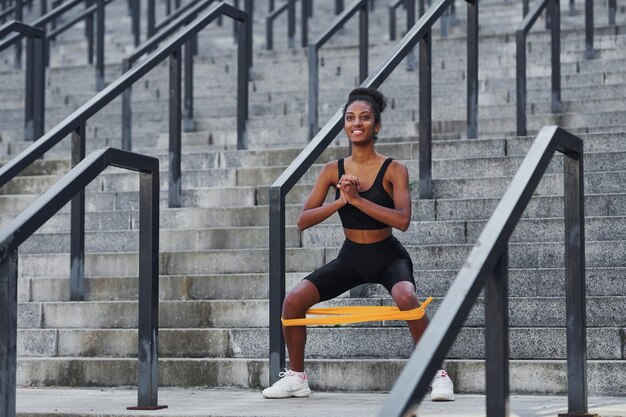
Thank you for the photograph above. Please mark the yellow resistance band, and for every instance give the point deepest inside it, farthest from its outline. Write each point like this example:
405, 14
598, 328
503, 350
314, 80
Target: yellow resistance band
357, 314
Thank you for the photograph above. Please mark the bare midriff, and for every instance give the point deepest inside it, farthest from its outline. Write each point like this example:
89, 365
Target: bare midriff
367, 236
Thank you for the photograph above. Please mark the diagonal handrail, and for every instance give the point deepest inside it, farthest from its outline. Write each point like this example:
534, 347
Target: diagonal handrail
487, 267
34, 96
290, 7
360, 6
46, 206
49, 17
420, 32
269, 26
75, 125
182, 19
555, 51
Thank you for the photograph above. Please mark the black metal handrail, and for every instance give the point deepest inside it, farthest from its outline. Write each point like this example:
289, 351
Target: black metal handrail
75, 125
173, 16
149, 45
410, 15
25, 224
589, 49
243, 75
290, 7
520, 36
360, 6
487, 267
34, 95
14, 8
420, 32
57, 12
18, 14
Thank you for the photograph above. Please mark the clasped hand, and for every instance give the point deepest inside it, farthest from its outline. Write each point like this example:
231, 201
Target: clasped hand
348, 186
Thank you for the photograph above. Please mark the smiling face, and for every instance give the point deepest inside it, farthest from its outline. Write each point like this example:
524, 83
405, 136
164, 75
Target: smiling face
359, 122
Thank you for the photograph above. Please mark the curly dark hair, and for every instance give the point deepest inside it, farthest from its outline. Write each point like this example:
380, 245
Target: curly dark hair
371, 96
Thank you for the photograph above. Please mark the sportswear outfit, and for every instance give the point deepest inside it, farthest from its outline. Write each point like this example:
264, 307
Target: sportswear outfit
385, 262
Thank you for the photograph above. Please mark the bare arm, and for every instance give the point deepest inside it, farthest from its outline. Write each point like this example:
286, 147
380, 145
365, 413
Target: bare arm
314, 210
398, 217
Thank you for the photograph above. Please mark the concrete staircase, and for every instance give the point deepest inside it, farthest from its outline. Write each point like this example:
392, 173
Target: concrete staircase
214, 257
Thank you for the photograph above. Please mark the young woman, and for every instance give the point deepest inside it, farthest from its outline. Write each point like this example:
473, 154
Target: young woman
372, 198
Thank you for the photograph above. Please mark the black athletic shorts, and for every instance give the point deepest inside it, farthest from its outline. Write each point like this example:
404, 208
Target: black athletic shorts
386, 262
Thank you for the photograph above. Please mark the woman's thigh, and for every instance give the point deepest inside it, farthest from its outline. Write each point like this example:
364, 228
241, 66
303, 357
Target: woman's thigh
334, 278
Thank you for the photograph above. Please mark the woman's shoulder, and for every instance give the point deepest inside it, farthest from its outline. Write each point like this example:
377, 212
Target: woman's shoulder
330, 170
397, 168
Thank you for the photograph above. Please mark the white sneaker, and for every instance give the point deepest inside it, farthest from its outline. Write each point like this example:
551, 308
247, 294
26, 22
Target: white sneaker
443, 388
290, 384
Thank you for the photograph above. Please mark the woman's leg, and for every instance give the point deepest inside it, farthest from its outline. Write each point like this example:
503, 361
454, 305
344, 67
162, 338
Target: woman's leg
403, 294
297, 302
325, 283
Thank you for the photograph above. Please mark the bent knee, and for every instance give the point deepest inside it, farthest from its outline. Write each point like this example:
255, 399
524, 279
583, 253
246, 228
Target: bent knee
298, 301
406, 300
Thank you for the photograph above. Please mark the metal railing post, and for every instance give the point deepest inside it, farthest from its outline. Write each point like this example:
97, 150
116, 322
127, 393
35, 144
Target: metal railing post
127, 111
249, 9
29, 90
175, 67
555, 29
148, 370
243, 75
589, 52
269, 36
520, 79
34, 89
363, 41
8, 334
525, 7
100, 45
188, 123
392, 22
425, 117
277, 281
136, 22
305, 23
39, 86
313, 89
472, 69
17, 64
338, 7
497, 338
291, 23
575, 283
612, 11
77, 232
89, 32
410, 22
572, 7
151, 21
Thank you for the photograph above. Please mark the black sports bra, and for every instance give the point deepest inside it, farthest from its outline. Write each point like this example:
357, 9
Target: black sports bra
353, 218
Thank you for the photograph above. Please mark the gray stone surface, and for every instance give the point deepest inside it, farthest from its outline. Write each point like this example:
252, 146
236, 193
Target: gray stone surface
247, 403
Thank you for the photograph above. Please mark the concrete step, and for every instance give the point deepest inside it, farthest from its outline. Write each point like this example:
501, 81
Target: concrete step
522, 255
527, 376
333, 342
531, 282
419, 233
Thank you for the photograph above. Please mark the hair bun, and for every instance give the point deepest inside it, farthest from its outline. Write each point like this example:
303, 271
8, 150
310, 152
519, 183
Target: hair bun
369, 94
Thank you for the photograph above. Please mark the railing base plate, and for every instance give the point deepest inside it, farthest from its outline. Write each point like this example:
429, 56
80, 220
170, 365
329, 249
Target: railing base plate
152, 407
